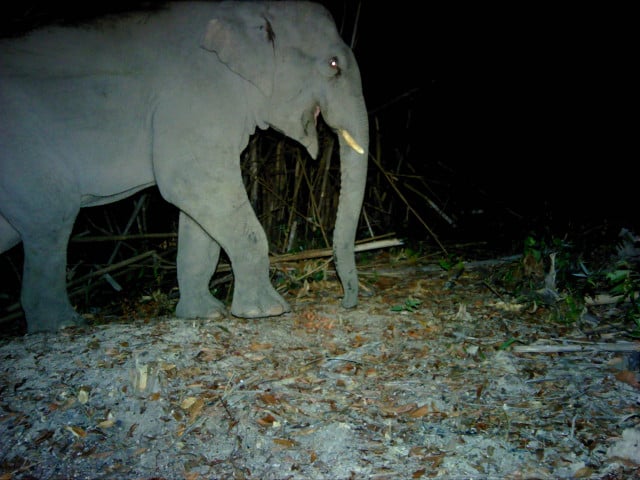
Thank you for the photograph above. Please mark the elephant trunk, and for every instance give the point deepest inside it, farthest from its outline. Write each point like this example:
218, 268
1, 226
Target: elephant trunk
354, 151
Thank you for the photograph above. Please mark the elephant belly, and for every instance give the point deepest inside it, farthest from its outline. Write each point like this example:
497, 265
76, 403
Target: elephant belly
9, 237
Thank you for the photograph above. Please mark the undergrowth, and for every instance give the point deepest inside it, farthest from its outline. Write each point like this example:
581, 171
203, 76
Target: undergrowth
553, 272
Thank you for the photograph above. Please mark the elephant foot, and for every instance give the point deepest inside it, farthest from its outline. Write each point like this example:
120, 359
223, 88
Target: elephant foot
270, 304
206, 306
54, 323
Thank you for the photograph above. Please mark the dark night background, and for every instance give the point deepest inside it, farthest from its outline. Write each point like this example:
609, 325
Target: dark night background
520, 114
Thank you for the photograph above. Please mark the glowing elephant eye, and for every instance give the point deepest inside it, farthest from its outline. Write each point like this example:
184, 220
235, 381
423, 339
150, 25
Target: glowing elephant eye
334, 65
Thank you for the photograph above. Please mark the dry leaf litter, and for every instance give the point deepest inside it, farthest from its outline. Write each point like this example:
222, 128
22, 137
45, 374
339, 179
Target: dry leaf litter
422, 380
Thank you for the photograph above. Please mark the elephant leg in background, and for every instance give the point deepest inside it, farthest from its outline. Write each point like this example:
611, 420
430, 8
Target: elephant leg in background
44, 285
197, 259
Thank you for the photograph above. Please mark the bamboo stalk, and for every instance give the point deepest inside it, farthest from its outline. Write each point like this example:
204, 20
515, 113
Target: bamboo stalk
291, 223
314, 207
325, 199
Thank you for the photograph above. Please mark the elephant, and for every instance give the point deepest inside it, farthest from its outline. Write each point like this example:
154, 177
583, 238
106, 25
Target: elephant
93, 113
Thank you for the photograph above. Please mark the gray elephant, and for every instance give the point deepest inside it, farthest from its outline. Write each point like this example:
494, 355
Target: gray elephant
90, 115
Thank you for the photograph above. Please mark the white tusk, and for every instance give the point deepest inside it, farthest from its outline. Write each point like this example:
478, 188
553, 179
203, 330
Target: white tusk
351, 142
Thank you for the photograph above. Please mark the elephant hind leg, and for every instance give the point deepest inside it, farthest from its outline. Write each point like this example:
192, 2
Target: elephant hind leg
44, 293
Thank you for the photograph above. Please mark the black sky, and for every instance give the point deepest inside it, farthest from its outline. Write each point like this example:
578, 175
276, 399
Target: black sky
534, 106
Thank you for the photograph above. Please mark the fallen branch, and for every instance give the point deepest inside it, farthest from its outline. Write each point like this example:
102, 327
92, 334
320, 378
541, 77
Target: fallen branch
587, 347
606, 299
327, 252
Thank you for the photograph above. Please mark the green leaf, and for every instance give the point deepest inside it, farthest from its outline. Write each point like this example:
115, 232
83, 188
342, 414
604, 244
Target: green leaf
410, 305
618, 276
507, 344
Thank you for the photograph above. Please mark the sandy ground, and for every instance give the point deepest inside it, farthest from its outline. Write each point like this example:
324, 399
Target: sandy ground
423, 380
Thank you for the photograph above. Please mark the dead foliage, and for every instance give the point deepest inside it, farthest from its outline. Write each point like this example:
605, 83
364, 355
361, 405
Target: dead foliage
434, 375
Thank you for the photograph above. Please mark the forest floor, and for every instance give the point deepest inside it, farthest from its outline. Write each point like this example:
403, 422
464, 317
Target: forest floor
436, 374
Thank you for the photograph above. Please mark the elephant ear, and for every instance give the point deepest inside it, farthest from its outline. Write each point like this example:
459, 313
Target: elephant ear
246, 47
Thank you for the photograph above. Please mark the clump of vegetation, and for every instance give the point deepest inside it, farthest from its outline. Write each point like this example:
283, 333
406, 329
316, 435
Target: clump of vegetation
624, 280
553, 272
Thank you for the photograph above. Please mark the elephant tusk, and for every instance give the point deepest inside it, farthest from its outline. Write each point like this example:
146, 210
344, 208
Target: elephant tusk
351, 142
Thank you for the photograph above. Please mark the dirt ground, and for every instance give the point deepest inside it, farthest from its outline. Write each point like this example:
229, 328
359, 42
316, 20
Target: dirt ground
432, 376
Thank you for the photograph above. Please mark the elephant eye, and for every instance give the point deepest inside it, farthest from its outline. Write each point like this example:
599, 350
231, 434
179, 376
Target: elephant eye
334, 64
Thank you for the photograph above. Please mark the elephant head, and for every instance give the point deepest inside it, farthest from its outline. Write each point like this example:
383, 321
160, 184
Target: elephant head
293, 54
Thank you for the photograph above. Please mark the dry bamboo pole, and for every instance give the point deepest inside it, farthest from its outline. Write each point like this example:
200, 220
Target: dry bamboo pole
324, 199
378, 161
328, 252
391, 182
431, 203
366, 219
292, 223
111, 268
253, 171
356, 22
280, 185
136, 210
283, 201
314, 207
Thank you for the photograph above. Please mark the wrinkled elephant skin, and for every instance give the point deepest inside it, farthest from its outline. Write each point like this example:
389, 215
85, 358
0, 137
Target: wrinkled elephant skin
90, 115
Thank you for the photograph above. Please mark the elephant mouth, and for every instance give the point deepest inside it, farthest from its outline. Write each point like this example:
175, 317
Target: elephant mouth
343, 132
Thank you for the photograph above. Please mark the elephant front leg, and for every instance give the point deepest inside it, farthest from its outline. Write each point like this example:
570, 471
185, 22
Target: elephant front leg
254, 295
230, 220
197, 259
246, 244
